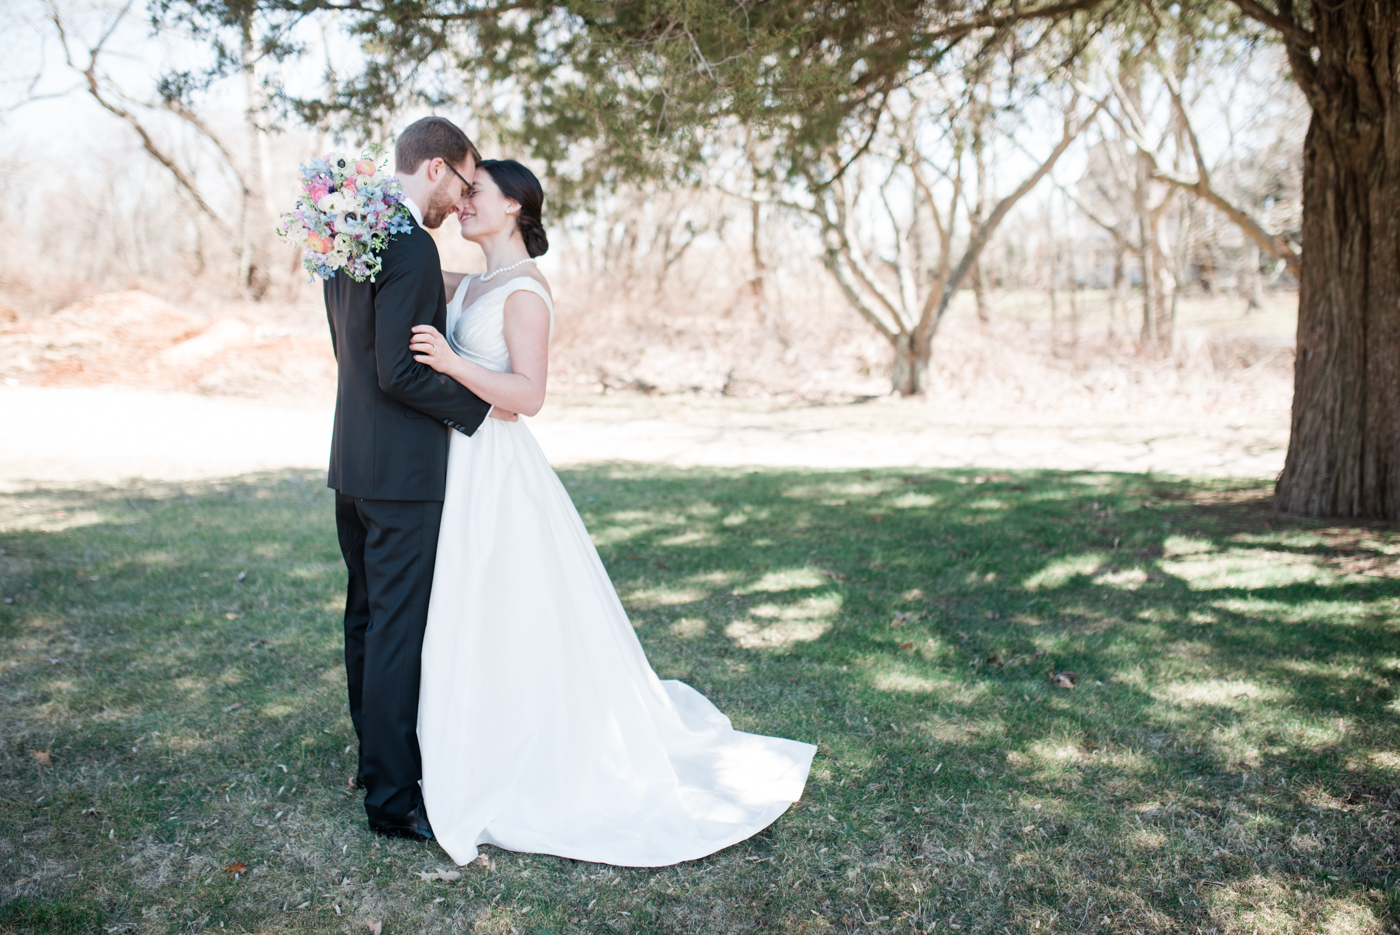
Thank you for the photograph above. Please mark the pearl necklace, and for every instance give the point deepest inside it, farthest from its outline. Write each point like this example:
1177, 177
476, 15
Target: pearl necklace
487, 277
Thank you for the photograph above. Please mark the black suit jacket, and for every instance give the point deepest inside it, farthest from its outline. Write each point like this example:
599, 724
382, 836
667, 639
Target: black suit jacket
393, 415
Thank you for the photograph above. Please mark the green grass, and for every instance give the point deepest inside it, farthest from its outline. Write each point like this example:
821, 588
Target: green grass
1227, 760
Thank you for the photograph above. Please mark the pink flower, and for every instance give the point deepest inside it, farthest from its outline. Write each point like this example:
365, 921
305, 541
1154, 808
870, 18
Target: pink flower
349, 185
318, 243
365, 167
318, 189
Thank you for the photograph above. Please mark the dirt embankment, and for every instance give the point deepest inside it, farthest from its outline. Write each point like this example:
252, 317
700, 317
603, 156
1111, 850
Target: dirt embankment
1016, 364
135, 339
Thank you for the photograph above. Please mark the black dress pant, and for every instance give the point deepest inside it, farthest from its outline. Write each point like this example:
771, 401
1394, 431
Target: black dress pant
389, 548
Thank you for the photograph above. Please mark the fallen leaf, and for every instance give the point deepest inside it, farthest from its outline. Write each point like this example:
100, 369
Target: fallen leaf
241, 576
41, 757
94, 811
233, 707
376, 927
834, 575
231, 616
904, 617
906, 645
994, 658
963, 636
482, 861
1064, 679
440, 876
236, 868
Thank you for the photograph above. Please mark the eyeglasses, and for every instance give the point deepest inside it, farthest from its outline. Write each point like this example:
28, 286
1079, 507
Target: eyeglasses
471, 190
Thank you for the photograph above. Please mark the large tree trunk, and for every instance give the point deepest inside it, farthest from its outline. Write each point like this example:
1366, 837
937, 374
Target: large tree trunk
1344, 452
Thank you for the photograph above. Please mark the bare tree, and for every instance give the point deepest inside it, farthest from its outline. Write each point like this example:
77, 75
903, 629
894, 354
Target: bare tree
1130, 118
248, 224
892, 219
1149, 176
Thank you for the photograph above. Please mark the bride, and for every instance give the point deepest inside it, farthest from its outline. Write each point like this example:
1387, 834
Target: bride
542, 725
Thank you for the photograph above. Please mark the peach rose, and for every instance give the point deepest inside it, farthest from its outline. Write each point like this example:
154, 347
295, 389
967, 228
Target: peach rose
365, 167
318, 243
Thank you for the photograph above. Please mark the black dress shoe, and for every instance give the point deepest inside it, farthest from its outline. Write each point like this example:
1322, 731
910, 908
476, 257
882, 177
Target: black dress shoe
414, 825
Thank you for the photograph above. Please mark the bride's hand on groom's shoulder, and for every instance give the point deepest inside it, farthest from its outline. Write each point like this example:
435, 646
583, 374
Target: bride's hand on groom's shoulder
430, 347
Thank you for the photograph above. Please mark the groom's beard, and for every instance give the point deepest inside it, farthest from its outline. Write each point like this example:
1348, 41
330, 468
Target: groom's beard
440, 205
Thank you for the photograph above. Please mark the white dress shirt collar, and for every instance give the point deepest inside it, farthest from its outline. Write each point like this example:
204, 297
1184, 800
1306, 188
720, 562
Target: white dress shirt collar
414, 210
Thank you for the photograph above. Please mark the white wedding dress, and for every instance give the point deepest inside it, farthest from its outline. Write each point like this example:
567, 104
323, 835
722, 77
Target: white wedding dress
543, 728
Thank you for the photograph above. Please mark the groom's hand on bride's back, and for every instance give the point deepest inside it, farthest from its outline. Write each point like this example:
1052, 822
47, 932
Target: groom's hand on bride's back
505, 415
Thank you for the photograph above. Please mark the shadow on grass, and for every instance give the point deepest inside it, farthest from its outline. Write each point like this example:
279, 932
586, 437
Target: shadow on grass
1225, 760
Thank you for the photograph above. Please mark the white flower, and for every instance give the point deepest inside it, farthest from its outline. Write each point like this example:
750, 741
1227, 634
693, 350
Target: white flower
338, 203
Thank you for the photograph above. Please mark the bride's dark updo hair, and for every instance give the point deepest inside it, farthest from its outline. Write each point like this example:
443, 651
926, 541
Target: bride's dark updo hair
520, 185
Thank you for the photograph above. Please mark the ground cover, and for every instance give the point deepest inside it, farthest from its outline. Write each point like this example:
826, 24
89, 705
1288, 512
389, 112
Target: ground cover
175, 746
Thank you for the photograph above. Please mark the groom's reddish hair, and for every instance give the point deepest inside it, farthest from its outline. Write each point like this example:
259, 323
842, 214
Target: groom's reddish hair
432, 138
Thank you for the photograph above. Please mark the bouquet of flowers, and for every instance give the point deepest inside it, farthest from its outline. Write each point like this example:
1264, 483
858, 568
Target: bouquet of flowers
344, 215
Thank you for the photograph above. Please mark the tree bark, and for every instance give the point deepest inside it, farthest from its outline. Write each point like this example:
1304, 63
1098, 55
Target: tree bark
979, 291
1253, 279
1344, 451
254, 221
1148, 241
1118, 295
911, 360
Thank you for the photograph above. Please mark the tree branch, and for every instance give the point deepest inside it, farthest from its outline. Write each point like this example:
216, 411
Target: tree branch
1112, 229
1017, 14
397, 16
984, 233
94, 88
1285, 25
1200, 185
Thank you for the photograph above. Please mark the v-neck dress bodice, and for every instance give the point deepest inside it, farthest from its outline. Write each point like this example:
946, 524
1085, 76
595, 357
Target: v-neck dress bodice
477, 332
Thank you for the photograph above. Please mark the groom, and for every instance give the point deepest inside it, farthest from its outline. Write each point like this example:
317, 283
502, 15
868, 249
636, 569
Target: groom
393, 419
